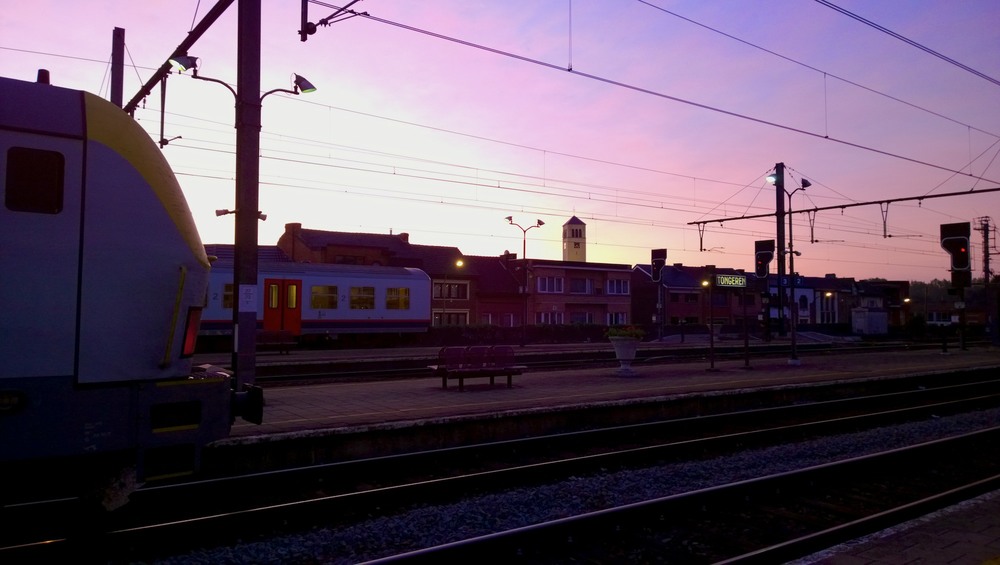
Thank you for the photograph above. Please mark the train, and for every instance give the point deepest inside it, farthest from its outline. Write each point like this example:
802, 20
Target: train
319, 302
104, 284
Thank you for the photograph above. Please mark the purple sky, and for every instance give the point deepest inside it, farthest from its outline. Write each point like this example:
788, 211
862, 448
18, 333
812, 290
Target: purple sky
412, 133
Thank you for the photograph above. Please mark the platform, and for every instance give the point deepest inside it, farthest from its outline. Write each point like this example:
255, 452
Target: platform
354, 404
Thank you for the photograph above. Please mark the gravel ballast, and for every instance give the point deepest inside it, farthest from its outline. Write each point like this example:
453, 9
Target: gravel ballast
428, 526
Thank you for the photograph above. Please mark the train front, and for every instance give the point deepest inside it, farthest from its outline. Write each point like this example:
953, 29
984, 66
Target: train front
106, 277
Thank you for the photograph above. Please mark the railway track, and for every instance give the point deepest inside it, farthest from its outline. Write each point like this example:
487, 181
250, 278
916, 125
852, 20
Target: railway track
769, 519
171, 518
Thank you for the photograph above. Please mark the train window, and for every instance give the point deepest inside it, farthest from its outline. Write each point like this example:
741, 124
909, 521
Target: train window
293, 297
34, 180
272, 296
227, 296
323, 297
397, 299
362, 298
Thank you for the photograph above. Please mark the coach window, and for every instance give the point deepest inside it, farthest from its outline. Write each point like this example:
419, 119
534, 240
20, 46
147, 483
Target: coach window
34, 181
324, 297
272, 296
397, 299
227, 296
362, 298
292, 298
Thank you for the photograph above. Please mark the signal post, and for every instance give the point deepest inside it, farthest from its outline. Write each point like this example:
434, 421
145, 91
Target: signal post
955, 240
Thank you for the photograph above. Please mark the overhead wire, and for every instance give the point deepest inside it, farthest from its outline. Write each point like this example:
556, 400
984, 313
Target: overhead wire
908, 41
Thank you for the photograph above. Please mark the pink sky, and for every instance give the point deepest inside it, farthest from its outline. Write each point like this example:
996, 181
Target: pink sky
410, 133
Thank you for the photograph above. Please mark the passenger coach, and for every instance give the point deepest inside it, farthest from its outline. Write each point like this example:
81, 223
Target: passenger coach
315, 299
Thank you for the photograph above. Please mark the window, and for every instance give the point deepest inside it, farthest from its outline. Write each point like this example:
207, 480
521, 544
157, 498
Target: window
397, 298
617, 286
362, 298
34, 180
581, 318
451, 290
323, 297
617, 319
550, 285
549, 317
272, 296
291, 297
227, 296
581, 286
576, 245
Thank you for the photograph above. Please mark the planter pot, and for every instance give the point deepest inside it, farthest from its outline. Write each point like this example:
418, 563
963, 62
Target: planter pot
625, 353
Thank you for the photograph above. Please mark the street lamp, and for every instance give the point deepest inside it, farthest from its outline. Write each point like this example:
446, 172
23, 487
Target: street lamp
524, 262
709, 282
524, 239
793, 304
247, 124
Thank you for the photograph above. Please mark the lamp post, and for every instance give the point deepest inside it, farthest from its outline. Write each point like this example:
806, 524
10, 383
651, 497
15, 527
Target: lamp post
709, 282
778, 180
793, 303
248, 124
524, 262
524, 239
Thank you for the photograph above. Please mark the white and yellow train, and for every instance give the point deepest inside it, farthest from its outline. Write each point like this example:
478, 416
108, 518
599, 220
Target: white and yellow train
103, 278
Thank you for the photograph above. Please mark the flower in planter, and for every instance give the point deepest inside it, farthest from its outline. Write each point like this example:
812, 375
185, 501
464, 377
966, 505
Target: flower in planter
625, 331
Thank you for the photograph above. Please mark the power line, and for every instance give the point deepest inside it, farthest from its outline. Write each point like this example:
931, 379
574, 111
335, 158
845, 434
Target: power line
665, 96
812, 68
906, 40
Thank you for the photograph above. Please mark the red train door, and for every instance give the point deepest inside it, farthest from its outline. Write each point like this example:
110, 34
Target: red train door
283, 305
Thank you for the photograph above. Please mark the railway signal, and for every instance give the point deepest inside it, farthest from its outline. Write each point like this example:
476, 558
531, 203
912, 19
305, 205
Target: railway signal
763, 254
659, 259
955, 240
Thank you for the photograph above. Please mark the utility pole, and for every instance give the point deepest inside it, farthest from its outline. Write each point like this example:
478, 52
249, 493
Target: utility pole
117, 66
247, 196
992, 310
779, 207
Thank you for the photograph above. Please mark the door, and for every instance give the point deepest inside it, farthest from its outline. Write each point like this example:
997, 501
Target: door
283, 305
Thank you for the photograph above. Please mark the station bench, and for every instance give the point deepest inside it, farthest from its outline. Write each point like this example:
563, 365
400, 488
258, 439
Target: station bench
476, 361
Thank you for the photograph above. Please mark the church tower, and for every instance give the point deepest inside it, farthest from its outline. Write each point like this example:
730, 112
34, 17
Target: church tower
574, 237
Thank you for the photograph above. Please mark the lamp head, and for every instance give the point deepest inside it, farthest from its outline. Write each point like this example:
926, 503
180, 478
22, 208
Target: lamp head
806, 184
510, 219
182, 63
540, 223
303, 85
223, 212
772, 178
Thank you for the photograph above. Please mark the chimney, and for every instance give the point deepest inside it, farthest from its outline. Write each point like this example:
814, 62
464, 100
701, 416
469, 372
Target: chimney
43, 76
404, 237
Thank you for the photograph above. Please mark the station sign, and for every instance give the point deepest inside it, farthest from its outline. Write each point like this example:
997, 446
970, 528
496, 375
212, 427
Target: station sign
731, 281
